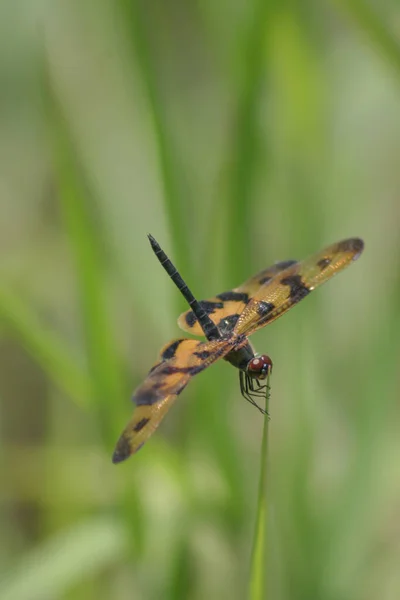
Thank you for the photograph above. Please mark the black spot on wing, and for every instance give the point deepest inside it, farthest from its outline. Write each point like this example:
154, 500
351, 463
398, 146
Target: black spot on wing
298, 289
264, 279
284, 264
190, 319
170, 351
184, 370
139, 426
279, 266
157, 385
147, 397
150, 396
232, 296
228, 323
351, 245
210, 306
323, 263
180, 389
122, 451
154, 367
203, 354
264, 310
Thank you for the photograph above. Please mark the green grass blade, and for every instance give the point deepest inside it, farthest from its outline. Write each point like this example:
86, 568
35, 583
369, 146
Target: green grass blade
83, 227
87, 244
46, 348
246, 141
372, 24
54, 567
168, 158
258, 568
103, 363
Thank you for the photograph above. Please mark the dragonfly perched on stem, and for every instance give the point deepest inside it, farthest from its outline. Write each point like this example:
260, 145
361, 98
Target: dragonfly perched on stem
226, 320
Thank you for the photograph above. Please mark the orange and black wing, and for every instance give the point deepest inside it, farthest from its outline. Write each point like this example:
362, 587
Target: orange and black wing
224, 308
180, 360
293, 284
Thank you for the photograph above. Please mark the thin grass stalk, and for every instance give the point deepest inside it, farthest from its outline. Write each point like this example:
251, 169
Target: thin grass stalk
258, 565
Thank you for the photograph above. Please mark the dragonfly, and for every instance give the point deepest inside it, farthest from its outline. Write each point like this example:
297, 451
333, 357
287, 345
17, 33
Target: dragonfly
226, 321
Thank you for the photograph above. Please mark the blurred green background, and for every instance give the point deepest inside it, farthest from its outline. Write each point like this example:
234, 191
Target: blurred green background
237, 133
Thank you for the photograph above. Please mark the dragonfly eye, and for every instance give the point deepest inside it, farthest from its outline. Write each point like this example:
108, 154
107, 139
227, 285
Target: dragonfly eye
259, 366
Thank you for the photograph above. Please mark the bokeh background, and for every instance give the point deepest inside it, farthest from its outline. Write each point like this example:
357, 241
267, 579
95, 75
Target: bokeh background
238, 133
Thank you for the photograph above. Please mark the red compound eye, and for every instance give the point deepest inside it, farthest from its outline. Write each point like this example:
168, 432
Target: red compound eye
259, 366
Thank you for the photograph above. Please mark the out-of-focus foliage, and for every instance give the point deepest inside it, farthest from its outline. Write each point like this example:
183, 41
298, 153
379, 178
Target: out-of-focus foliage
237, 133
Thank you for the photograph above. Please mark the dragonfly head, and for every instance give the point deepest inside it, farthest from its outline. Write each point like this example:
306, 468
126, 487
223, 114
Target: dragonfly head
259, 366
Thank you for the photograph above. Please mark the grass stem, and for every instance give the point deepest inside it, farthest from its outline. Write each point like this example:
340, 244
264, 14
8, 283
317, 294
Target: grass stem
258, 567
